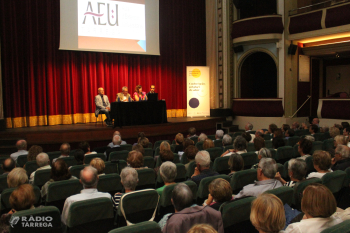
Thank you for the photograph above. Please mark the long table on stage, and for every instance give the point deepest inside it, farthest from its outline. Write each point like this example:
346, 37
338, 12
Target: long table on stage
138, 113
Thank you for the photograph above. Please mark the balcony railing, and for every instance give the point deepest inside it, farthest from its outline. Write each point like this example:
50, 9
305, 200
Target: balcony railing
316, 6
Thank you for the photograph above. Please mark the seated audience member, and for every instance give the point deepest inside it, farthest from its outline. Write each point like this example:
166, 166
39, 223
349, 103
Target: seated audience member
179, 139
324, 129
313, 129
202, 169
164, 146
129, 179
43, 161
259, 143
208, 143
139, 148
345, 124
277, 133
334, 131
144, 142
139, 95
8, 165
135, 160
322, 163
219, 134
168, 173
33, 152
186, 215
79, 156
22, 198
247, 136
316, 122
124, 96
263, 153
271, 129
304, 148
310, 138
284, 128
219, 192
190, 152
266, 173
240, 146
191, 132
187, 142
99, 165
227, 140
111, 143
259, 133
235, 163
65, 150
305, 125
267, 214
17, 177
117, 140
21, 146
165, 155
346, 131
89, 180
278, 142
341, 160
295, 126
297, 171
340, 140
289, 133
202, 228
248, 127
318, 204
85, 146
202, 137
59, 172
339, 126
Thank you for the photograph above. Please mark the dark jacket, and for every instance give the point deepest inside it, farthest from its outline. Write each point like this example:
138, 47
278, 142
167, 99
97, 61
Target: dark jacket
341, 165
205, 173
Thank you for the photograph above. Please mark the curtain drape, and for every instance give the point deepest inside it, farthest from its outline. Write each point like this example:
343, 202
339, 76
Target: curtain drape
46, 86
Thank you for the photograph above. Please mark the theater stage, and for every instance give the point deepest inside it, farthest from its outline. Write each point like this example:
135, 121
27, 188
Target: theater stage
50, 137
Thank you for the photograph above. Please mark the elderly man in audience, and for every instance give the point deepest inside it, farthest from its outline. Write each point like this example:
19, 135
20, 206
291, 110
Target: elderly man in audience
324, 129
129, 179
191, 132
259, 133
295, 126
322, 161
89, 180
202, 169
334, 131
297, 171
202, 137
316, 121
111, 145
43, 161
168, 173
310, 138
248, 127
341, 161
117, 140
21, 146
65, 150
263, 153
186, 215
266, 173
17, 177
219, 134
340, 140
304, 148
247, 136
313, 129
240, 146
226, 140
190, 152
8, 165
99, 165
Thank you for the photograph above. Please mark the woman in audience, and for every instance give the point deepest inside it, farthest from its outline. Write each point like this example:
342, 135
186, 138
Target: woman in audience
226, 140
202, 228
144, 142
278, 142
263, 153
278, 133
85, 146
190, 152
164, 146
79, 156
240, 146
318, 204
219, 192
165, 155
139, 148
304, 148
259, 143
135, 160
187, 142
297, 171
139, 95
208, 143
334, 131
17, 177
129, 180
322, 163
99, 165
59, 172
267, 214
179, 140
22, 198
340, 140
235, 163
33, 152
168, 174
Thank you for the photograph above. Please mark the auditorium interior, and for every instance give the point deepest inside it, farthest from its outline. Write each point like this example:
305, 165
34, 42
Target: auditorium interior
270, 62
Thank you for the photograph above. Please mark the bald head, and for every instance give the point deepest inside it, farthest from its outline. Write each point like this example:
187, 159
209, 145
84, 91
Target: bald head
65, 149
116, 133
8, 165
315, 121
259, 133
101, 91
89, 177
21, 145
117, 140
42, 159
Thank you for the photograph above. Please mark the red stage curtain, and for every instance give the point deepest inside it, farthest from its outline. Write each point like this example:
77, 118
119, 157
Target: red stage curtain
41, 83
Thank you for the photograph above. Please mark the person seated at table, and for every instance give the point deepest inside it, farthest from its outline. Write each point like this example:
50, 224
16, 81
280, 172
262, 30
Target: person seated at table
152, 90
139, 95
124, 96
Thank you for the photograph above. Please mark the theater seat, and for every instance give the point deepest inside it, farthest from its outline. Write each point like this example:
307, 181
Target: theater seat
30, 167
148, 161
75, 170
292, 141
299, 188
316, 146
149, 152
53, 155
242, 178
334, 180
221, 165
118, 155
218, 143
127, 147
251, 147
203, 188
41, 177
110, 183
214, 152
296, 153
328, 144
249, 159
157, 143
147, 178
143, 227
343, 227
70, 161
199, 145
90, 157
3, 182
284, 154
284, 193
21, 160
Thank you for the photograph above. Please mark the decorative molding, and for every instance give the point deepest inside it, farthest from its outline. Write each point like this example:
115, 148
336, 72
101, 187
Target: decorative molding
272, 37
323, 19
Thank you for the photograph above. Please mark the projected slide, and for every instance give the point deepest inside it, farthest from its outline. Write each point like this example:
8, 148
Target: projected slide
117, 25
125, 26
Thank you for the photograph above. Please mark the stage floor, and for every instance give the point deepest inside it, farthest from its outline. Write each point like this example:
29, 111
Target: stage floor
97, 132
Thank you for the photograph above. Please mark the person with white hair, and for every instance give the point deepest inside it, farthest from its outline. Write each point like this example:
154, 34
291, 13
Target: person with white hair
21, 146
43, 161
103, 106
129, 179
202, 137
202, 169
117, 140
227, 140
111, 145
168, 173
248, 128
65, 151
89, 180
124, 96
341, 160
219, 134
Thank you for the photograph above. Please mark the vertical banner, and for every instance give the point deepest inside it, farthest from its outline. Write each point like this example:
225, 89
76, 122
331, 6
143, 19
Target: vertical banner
198, 95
